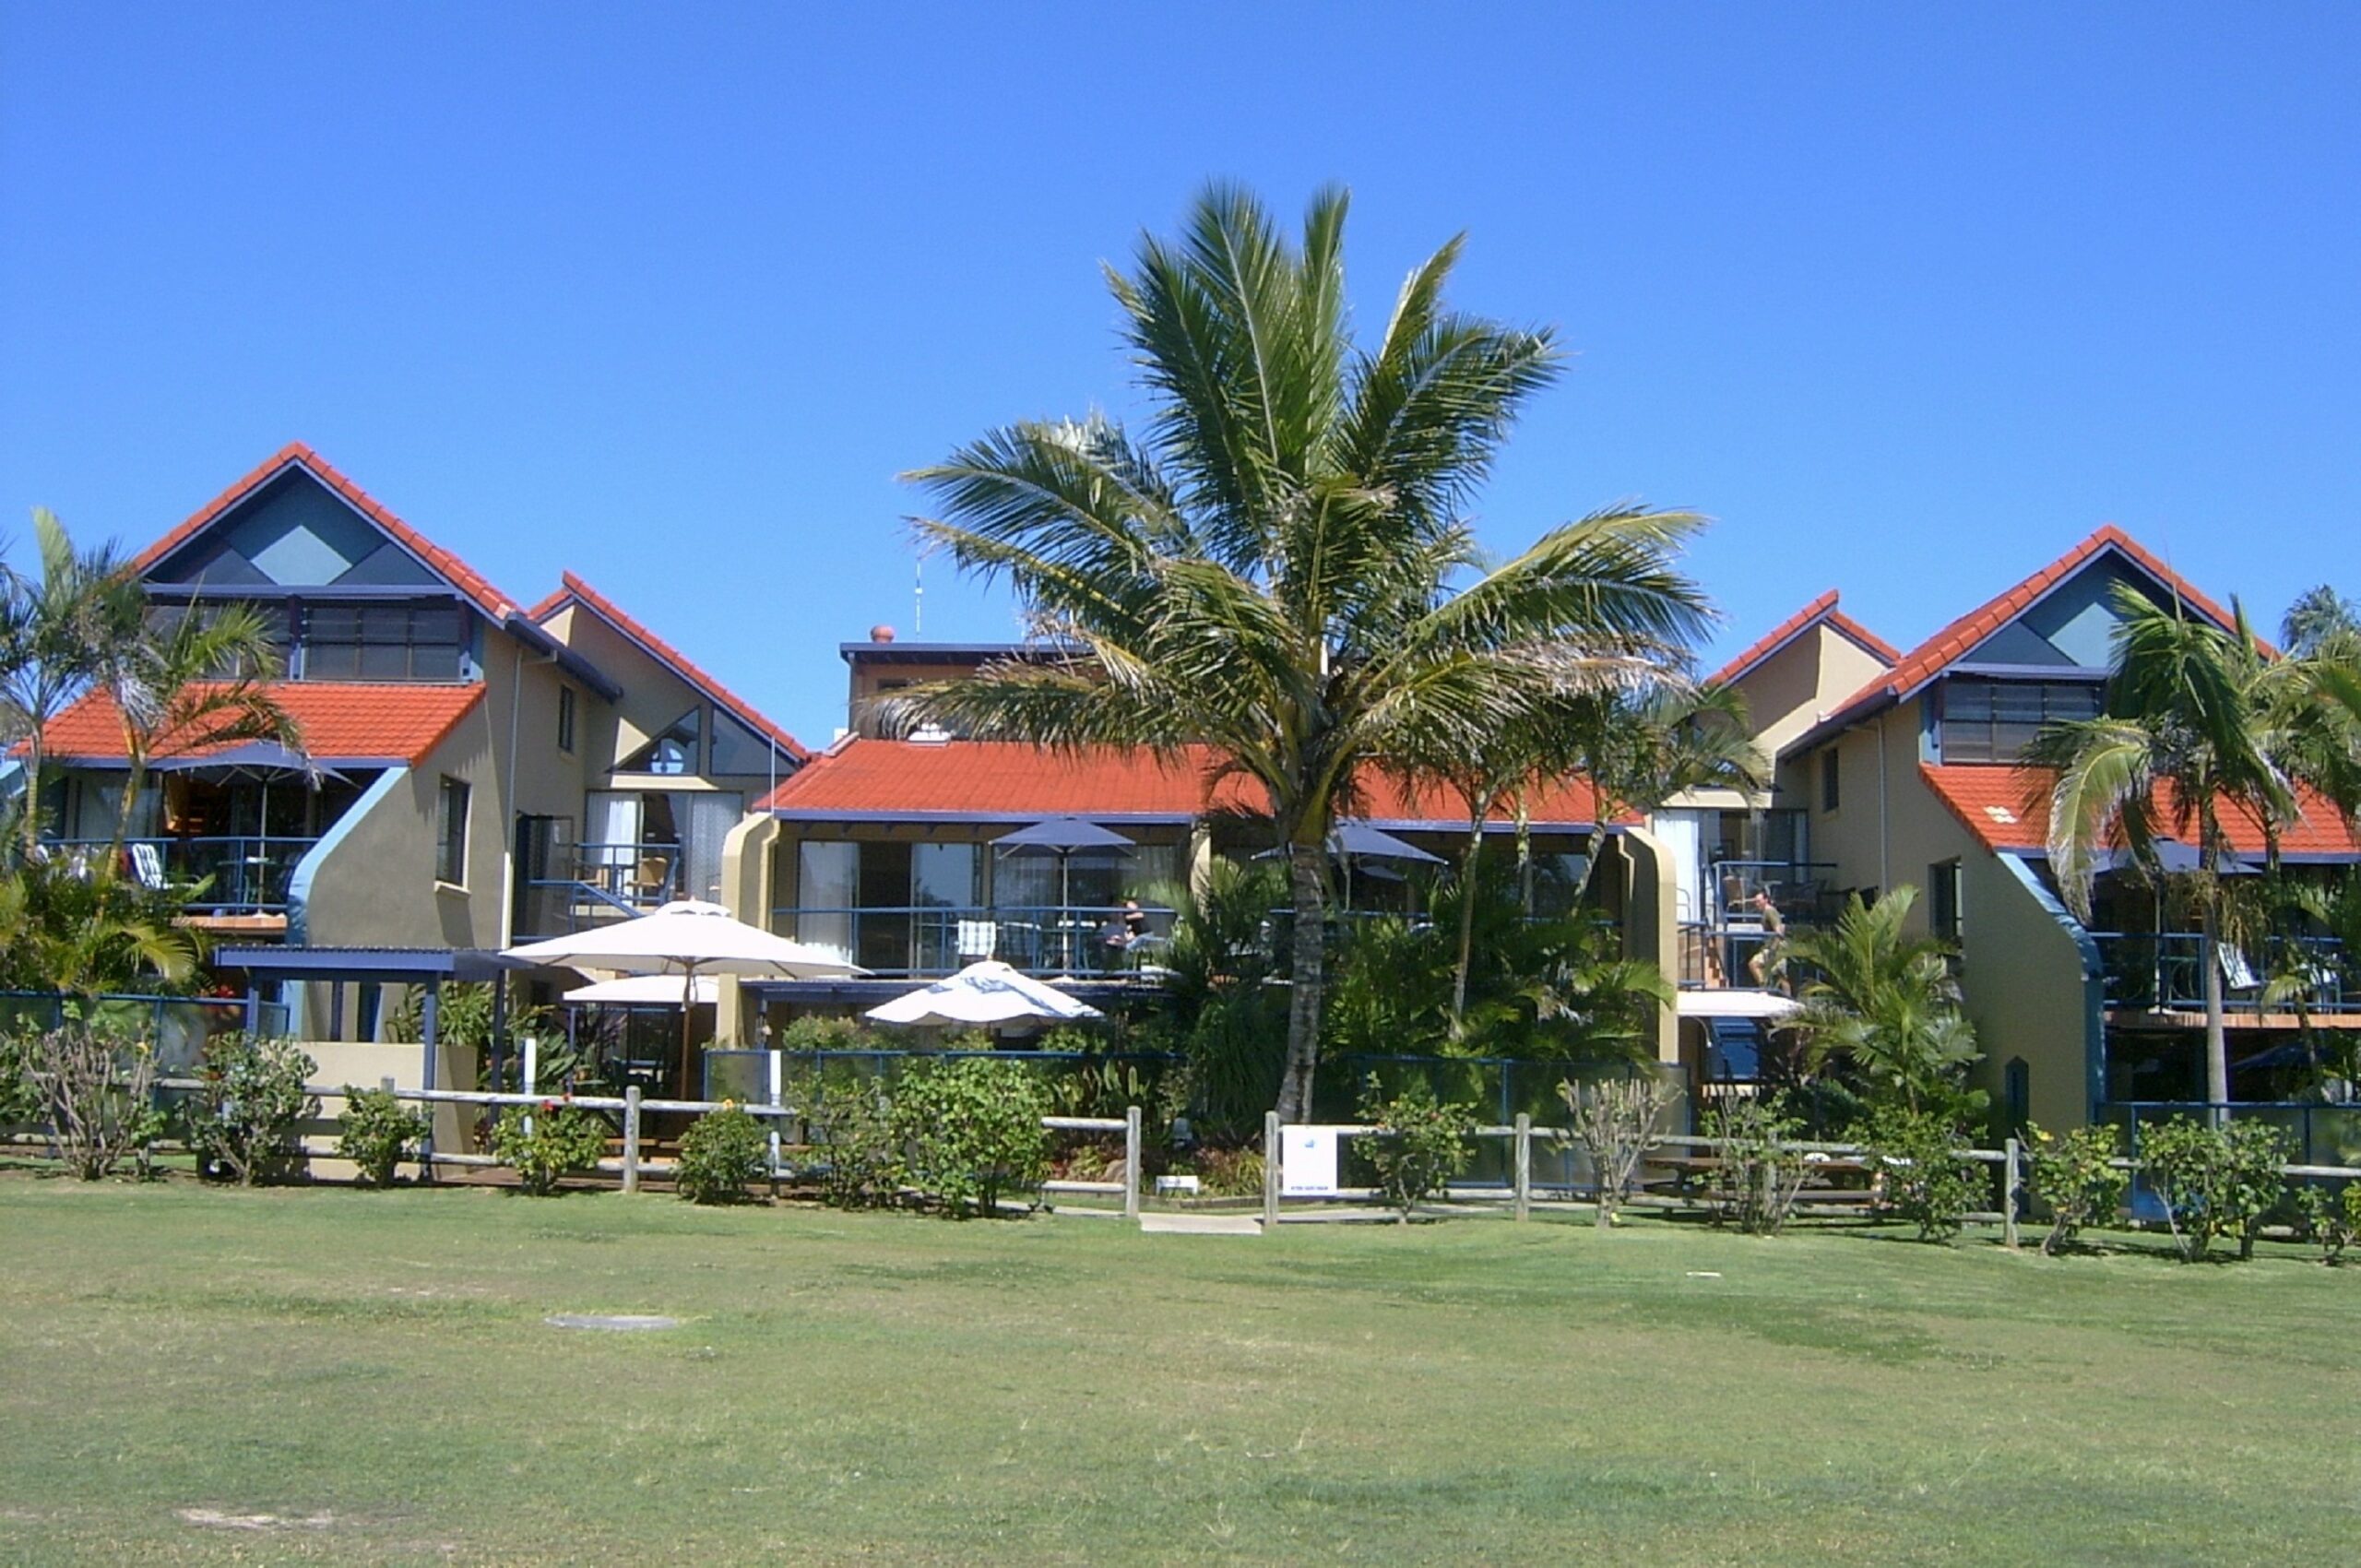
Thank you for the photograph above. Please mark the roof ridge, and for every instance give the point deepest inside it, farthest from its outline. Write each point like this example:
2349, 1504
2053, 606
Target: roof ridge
572, 585
1820, 610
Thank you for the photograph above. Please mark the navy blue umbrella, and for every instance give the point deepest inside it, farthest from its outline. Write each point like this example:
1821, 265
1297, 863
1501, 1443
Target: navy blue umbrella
1064, 836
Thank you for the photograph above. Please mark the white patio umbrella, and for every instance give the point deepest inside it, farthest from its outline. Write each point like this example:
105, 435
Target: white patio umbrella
1732, 1004
686, 938
985, 993
646, 990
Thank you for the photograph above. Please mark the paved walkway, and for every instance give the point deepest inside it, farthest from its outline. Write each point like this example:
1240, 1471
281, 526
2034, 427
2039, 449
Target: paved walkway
1201, 1224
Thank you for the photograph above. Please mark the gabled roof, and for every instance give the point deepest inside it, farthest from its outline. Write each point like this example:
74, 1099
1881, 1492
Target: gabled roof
573, 589
2007, 808
863, 780
1819, 611
342, 723
1954, 642
465, 578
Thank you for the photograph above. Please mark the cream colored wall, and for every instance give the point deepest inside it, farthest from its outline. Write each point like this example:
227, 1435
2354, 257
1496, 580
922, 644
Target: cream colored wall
654, 698
747, 868
1788, 692
1651, 923
342, 1065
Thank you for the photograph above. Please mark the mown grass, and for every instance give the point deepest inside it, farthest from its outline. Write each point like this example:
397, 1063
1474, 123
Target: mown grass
371, 1370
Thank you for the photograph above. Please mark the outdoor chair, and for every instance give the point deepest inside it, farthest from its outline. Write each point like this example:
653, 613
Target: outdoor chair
977, 939
147, 865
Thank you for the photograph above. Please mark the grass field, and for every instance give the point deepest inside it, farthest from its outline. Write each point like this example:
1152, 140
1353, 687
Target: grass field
373, 1373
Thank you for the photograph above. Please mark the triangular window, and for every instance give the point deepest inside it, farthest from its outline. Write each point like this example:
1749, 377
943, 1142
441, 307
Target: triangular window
672, 753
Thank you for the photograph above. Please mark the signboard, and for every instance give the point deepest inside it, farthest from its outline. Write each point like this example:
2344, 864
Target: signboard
1308, 1161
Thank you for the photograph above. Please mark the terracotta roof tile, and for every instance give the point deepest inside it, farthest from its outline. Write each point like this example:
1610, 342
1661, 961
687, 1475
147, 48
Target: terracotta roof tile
2007, 808
1818, 610
465, 578
666, 654
341, 721
1009, 781
1953, 642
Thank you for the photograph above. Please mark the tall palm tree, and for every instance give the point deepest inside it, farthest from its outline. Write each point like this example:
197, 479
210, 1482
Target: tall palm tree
58, 636
1279, 567
2181, 747
189, 681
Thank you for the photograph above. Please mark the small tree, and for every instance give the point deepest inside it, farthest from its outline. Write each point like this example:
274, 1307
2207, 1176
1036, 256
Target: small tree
725, 1152
93, 1084
242, 1120
1615, 1121
2215, 1182
2332, 1219
1915, 1154
1762, 1173
545, 1144
378, 1133
2076, 1177
971, 1130
850, 1125
1421, 1143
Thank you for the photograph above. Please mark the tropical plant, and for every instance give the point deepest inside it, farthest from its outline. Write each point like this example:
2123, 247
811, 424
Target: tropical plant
1913, 1155
1224, 1018
1615, 1121
240, 1121
1763, 1174
2181, 746
1420, 1143
723, 1153
192, 679
2319, 615
82, 931
1886, 1004
464, 1019
546, 1143
969, 1131
2075, 1175
1273, 570
849, 1125
377, 1132
2215, 1181
2333, 1221
94, 1084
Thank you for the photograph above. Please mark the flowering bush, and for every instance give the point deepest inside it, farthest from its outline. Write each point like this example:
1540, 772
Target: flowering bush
378, 1133
544, 1143
240, 1123
725, 1151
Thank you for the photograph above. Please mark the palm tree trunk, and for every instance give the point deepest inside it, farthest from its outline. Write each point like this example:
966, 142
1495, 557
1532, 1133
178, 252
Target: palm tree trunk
2217, 1048
1467, 926
1308, 880
32, 788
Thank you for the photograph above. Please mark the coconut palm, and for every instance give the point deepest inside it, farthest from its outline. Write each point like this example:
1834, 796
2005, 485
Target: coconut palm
2181, 748
2318, 614
192, 680
1887, 1003
1278, 567
58, 636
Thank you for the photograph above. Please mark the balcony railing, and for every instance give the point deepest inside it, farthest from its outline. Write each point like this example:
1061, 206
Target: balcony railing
1801, 889
930, 941
599, 883
241, 874
2151, 972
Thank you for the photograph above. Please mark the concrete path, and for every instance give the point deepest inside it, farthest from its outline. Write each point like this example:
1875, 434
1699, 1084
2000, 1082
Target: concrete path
1201, 1224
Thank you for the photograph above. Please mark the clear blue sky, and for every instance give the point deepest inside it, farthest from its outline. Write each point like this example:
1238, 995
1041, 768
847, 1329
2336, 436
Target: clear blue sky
1909, 300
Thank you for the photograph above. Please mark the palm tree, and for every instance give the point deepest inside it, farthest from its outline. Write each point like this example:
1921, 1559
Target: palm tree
1279, 568
2182, 744
58, 636
1886, 1002
189, 681
2318, 614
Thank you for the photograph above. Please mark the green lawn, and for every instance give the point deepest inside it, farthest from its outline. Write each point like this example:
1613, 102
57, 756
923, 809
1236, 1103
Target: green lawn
373, 1371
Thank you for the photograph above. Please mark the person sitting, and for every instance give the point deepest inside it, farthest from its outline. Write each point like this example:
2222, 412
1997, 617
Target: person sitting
1126, 926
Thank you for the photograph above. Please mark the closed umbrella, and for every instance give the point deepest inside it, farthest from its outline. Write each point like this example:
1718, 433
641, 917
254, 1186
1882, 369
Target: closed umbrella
983, 993
686, 938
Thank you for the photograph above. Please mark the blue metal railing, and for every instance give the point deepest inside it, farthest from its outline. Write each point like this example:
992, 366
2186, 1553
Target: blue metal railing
179, 1025
930, 941
603, 882
237, 872
2165, 971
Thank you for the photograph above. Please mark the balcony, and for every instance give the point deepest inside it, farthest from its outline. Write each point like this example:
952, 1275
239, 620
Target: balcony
597, 885
247, 873
927, 942
2165, 972
1718, 943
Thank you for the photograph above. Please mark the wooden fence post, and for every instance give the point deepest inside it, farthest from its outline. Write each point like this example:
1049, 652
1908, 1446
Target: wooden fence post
2009, 1175
631, 1139
1524, 1209
1270, 1170
1131, 1162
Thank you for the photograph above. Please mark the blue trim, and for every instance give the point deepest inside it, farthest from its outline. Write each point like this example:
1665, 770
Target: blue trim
2093, 982
299, 881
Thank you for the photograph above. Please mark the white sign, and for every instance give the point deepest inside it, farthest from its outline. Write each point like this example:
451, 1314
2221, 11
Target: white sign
1308, 1161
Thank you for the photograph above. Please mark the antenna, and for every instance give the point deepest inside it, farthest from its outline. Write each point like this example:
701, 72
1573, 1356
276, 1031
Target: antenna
918, 597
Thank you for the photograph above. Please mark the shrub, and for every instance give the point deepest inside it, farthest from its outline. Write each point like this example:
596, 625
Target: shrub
240, 1122
2332, 1219
850, 1126
1422, 1142
2215, 1182
1763, 1174
1230, 1172
2074, 1176
93, 1084
542, 1143
1915, 1154
971, 1130
813, 1033
378, 1132
721, 1155
1615, 1121
19, 1099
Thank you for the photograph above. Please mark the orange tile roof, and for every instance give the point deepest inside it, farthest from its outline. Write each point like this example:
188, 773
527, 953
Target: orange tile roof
1818, 610
666, 654
1939, 652
465, 578
1009, 781
2008, 808
340, 722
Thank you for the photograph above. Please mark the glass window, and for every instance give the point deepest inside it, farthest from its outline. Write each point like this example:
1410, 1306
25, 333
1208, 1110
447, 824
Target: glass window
451, 834
1828, 779
1995, 721
1943, 900
672, 753
383, 642
943, 875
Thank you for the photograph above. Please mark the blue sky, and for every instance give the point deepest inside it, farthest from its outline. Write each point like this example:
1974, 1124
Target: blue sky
1909, 300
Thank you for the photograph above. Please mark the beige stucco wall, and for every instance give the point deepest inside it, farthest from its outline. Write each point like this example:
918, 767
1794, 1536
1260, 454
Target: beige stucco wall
1651, 921
747, 867
364, 1066
1788, 692
653, 700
